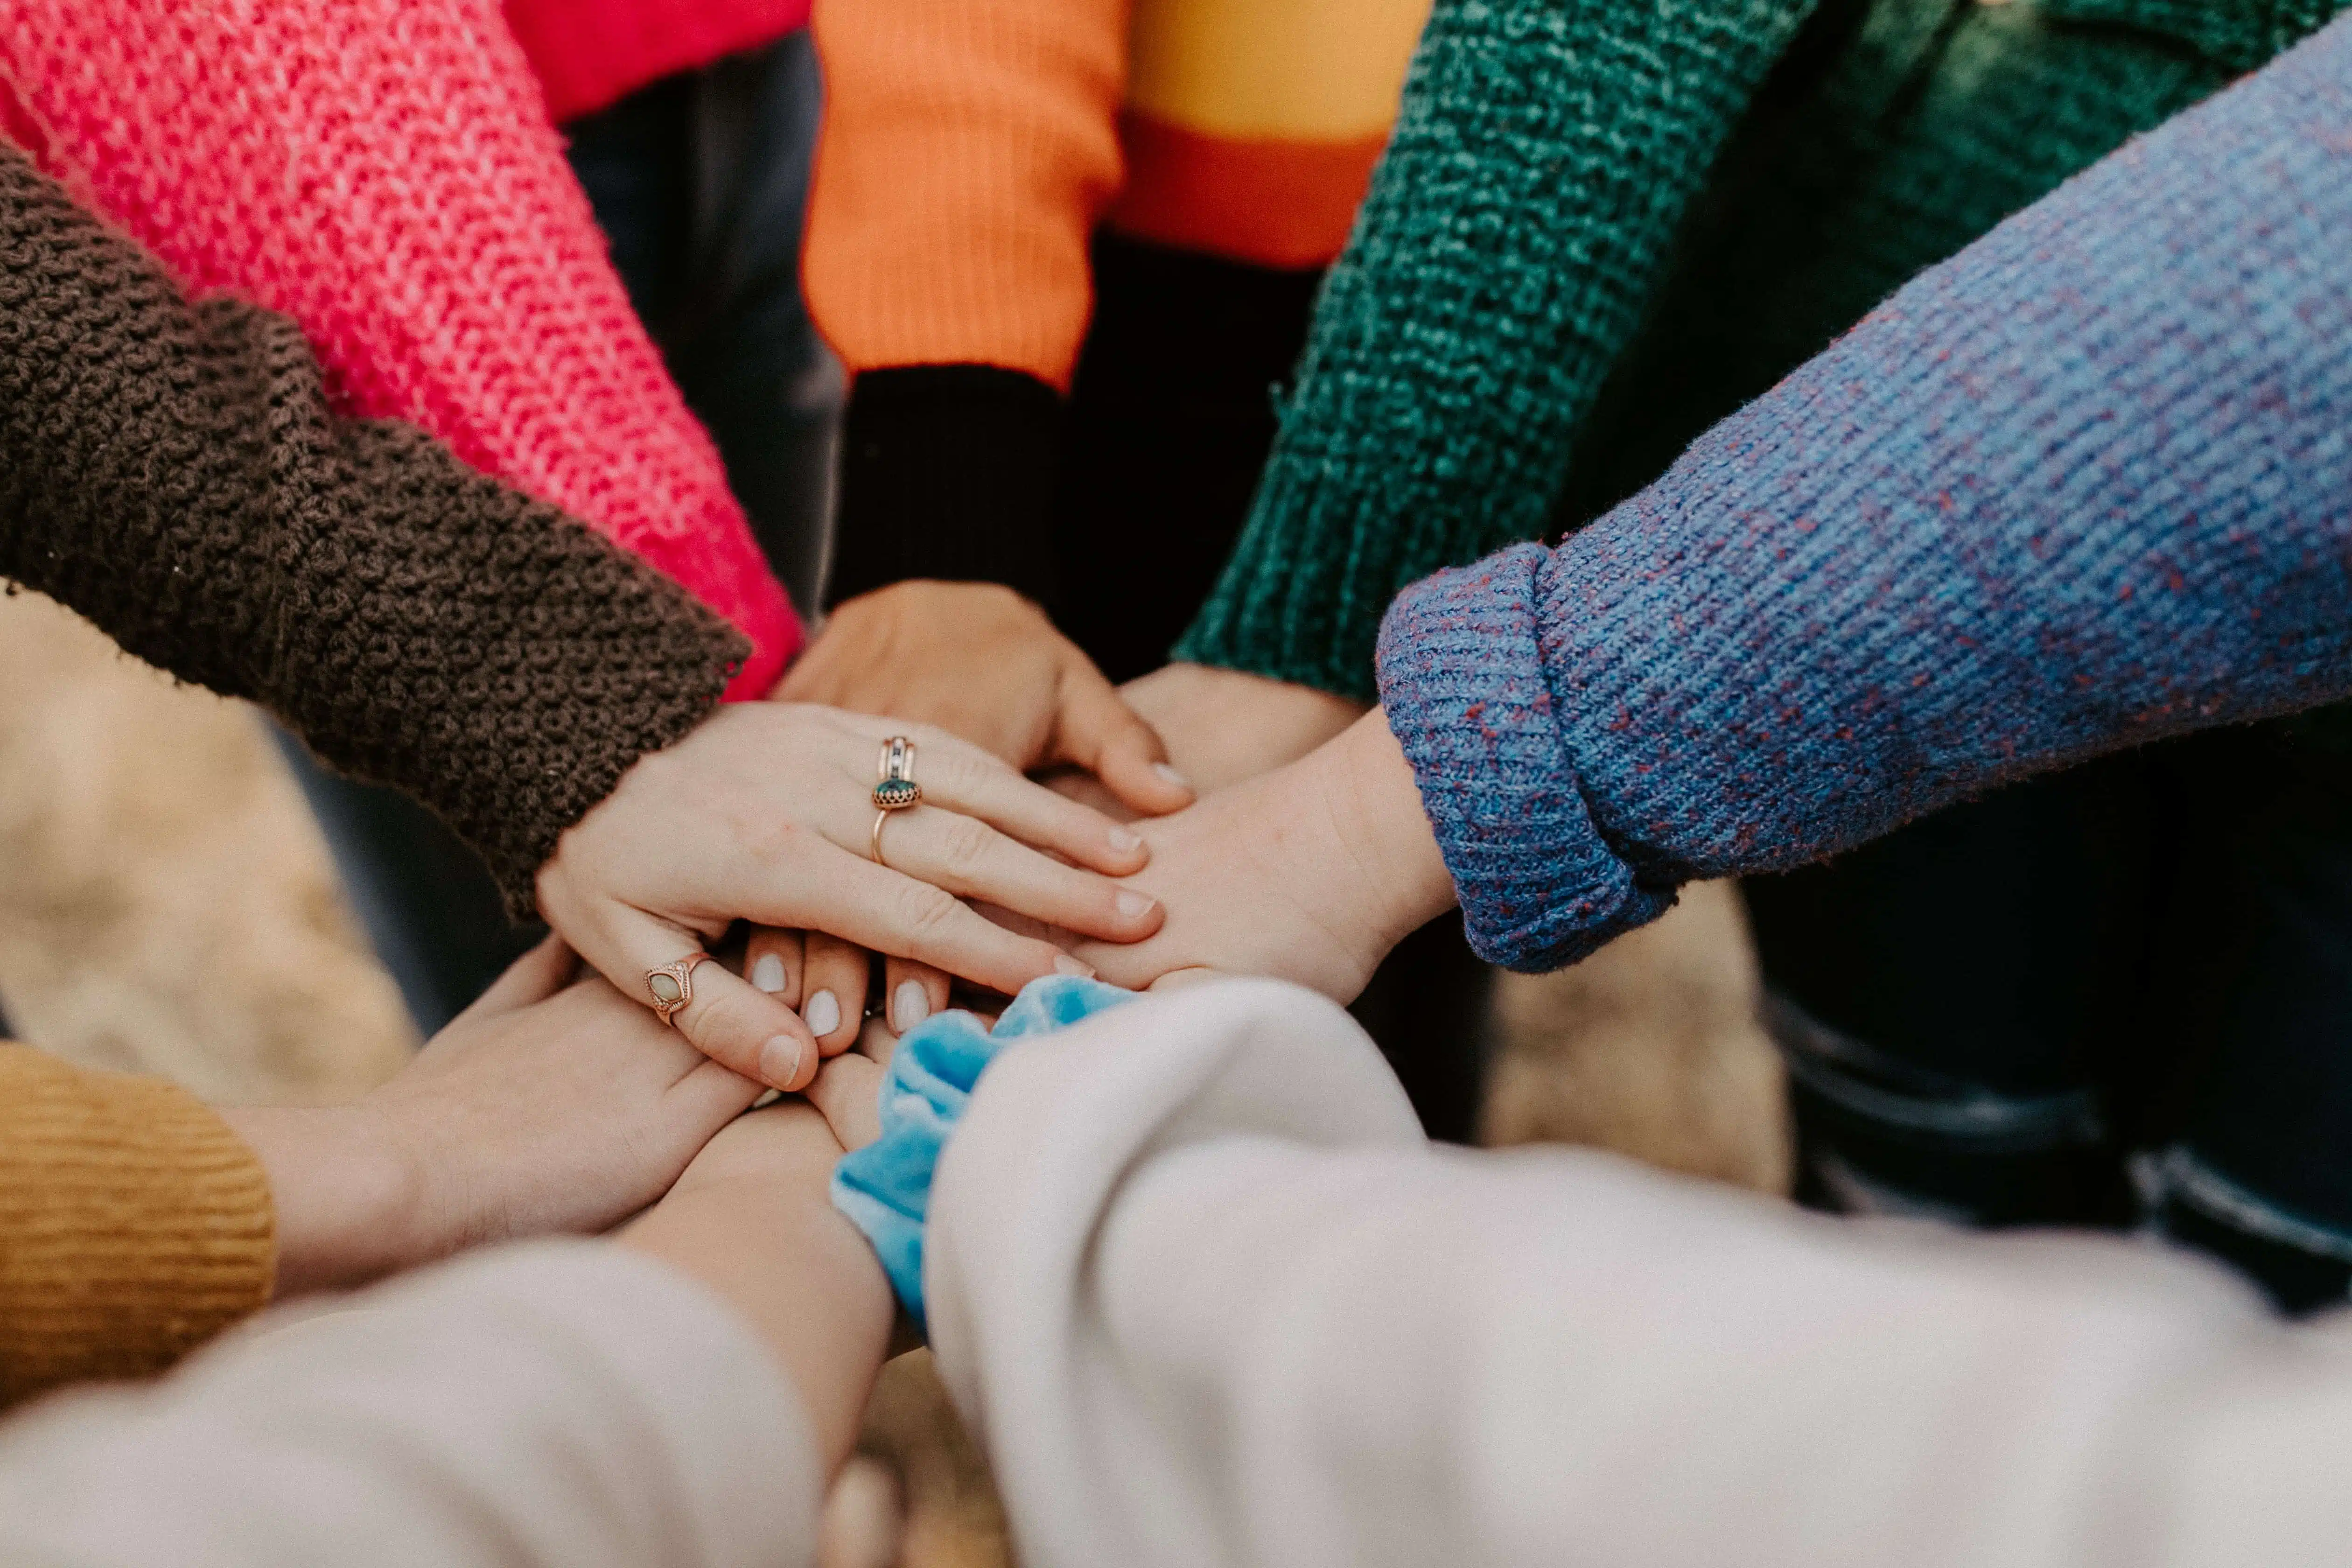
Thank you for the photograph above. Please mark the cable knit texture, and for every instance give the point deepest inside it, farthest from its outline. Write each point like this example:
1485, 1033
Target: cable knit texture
384, 173
133, 1225
173, 473
1477, 376
2086, 485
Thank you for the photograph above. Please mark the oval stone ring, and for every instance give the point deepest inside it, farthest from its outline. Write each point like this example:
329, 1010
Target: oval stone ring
897, 789
672, 985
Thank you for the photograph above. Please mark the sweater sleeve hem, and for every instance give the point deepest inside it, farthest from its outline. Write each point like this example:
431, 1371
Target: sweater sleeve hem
1464, 684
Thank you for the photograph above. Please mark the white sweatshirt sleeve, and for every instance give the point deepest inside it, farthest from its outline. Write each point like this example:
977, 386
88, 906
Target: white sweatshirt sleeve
558, 1405
1212, 1301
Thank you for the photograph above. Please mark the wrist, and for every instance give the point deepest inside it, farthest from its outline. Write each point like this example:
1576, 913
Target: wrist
349, 1195
1373, 808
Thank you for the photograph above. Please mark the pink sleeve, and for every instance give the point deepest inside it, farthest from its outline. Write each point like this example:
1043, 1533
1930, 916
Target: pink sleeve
384, 172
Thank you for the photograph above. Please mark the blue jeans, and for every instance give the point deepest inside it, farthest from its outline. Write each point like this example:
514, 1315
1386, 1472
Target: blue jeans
700, 182
2119, 997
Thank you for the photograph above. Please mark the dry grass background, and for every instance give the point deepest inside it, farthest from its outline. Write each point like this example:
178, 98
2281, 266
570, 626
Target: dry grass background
167, 906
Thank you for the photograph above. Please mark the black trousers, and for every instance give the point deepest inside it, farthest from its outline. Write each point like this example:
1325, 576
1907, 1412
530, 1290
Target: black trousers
2118, 996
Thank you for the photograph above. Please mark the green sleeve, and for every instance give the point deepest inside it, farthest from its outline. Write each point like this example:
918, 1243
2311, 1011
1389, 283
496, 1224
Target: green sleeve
1545, 156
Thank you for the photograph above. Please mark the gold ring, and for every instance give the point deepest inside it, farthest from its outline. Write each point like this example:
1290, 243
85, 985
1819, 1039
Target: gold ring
897, 789
880, 817
672, 985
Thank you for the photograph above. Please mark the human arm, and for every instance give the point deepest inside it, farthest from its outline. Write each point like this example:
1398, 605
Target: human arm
1207, 1298
385, 173
136, 1221
2077, 488
1543, 159
678, 1395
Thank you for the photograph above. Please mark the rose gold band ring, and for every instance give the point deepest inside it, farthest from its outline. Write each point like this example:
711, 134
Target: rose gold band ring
672, 985
896, 788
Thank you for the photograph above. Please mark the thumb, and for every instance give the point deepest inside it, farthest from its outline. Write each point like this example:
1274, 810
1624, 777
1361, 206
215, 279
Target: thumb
534, 977
1097, 730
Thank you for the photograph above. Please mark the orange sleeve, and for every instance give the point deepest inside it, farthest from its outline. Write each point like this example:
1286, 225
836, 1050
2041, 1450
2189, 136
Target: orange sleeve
968, 148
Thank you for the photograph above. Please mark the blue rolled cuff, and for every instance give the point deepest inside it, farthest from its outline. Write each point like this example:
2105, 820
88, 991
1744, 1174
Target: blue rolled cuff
1464, 687
884, 1188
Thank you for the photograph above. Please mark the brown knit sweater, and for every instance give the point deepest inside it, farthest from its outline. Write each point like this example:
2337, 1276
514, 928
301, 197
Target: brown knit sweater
174, 473
133, 1225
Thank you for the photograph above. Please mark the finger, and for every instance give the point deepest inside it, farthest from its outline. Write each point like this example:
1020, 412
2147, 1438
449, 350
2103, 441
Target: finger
728, 1019
963, 778
834, 984
911, 992
847, 1093
876, 908
1099, 732
969, 859
877, 1043
773, 961
534, 977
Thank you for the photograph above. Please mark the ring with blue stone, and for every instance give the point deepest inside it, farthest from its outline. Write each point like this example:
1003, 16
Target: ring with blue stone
897, 789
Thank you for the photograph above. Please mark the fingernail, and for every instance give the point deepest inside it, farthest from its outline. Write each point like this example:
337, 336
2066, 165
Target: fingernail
822, 1013
1123, 841
909, 1005
1133, 904
768, 974
1064, 964
1171, 775
780, 1060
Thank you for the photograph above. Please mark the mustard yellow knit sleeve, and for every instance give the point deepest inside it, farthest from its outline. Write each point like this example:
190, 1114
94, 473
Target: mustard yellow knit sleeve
133, 1225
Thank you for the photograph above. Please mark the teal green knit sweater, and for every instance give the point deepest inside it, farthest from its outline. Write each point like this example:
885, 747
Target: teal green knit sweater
1601, 224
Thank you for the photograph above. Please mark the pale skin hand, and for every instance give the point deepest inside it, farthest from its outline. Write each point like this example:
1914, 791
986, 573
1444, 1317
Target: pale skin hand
980, 662
1311, 873
764, 812
550, 1105
1223, 727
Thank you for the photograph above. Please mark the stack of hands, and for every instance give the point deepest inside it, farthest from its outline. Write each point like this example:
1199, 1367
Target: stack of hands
1197, 819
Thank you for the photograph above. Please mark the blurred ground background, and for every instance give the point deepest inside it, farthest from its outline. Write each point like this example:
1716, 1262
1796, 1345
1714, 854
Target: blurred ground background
167, 906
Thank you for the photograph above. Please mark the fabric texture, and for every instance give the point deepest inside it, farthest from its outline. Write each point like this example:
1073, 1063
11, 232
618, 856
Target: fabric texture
2084, 485
175, 474
554, 1405
884, 1188
1601, 228
1208, 1298
134, 1226
590, 54
385, 173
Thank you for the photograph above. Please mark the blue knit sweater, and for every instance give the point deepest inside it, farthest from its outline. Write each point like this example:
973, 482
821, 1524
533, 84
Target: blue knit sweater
2087, 484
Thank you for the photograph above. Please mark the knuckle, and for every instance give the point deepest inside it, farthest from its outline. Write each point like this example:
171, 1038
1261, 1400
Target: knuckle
926, 913
964, 844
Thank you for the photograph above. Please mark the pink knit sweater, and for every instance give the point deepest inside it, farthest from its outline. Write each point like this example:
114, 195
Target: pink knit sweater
386, 173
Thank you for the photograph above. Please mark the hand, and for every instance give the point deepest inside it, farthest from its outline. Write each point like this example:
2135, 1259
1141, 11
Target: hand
982, 662
765, 813
1222, 726
547, 1106
1312, 873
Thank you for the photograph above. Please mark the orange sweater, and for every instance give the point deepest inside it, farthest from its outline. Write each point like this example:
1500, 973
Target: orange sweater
133, 1225
971, 146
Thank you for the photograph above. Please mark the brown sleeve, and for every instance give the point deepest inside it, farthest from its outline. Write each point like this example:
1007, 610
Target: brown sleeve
174, 473
133, 1225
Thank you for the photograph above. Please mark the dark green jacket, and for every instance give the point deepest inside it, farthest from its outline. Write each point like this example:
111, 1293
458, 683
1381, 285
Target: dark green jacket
1603, 224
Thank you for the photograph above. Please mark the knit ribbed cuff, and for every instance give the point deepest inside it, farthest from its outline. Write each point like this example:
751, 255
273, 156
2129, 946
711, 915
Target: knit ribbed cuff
134, 1226
947, 472
1463, 686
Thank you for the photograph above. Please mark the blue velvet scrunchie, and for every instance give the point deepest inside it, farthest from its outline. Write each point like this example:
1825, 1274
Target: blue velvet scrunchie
884, 1188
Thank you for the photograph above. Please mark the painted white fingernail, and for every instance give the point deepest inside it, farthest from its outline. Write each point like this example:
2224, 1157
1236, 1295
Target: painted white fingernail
1064, 964
1171, 775
1134, 905
768, 974
822, 1013
780, 1060
909, 1005
1123, 841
